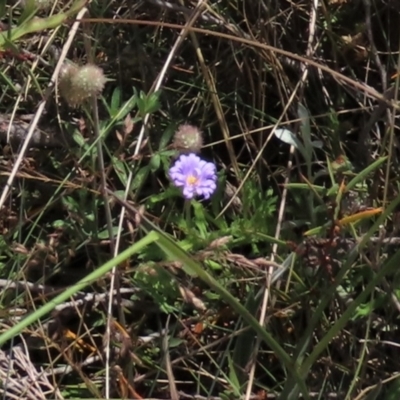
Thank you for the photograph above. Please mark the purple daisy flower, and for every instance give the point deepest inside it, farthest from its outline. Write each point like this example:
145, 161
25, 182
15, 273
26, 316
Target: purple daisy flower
196, 176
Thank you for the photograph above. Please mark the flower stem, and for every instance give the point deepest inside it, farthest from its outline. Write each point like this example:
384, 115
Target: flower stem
187, 208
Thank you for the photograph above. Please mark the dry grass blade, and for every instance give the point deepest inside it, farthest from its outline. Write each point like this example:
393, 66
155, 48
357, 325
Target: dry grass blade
21, 379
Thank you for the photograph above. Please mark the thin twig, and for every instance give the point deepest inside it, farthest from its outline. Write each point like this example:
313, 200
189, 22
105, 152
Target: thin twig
167, 360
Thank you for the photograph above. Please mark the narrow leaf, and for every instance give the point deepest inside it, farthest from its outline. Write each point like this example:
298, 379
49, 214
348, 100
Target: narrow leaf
288, 137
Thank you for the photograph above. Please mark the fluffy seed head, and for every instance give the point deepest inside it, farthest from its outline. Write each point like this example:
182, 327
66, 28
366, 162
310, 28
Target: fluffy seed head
78, 84
66, 73
64, 81
90, 79
188, 139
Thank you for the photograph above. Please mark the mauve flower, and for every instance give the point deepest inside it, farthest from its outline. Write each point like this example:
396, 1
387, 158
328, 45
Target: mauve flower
196, 176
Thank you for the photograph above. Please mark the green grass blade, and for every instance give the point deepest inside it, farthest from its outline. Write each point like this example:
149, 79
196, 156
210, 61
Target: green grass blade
361, 176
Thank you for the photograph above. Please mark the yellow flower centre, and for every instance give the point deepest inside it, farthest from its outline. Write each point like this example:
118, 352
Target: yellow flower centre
191, 180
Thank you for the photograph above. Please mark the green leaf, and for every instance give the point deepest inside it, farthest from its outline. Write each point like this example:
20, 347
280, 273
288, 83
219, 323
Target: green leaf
200, 219
59, 224
304, 186
361, 176
175, 342
393, 392
28, 12
233, 378
140, 178
2, 8
153, 103
70, 204
121, 170
105, 235
155, 162
148, 104
305, 128
115, 102
166, 136
120, 114
287, 136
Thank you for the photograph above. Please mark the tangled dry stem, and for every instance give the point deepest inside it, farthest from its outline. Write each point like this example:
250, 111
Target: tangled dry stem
21, 379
